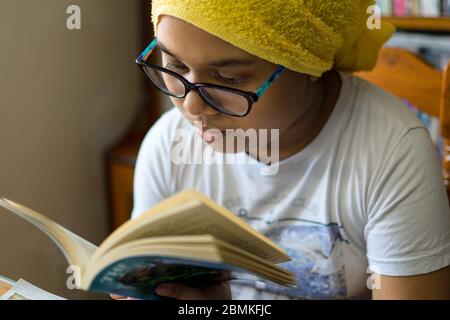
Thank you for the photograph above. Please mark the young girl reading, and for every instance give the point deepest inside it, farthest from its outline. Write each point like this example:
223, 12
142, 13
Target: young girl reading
333, 169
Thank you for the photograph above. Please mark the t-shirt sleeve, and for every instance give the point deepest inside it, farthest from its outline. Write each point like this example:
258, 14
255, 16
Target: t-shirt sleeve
408, 224
152, 170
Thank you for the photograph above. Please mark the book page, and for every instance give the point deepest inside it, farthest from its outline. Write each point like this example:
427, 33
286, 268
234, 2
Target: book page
76, 250
197, 221
190, 213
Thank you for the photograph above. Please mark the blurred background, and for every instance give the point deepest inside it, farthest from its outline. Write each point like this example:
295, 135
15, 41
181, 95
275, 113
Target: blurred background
66, 98
74, 109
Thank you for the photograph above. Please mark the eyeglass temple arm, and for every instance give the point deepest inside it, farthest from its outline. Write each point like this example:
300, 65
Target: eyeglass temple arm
269, 81
146, 53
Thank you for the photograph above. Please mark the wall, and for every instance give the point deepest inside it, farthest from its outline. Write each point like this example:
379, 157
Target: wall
65, 96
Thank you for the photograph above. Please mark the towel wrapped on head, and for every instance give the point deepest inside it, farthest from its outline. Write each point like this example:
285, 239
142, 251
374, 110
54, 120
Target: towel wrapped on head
307, 36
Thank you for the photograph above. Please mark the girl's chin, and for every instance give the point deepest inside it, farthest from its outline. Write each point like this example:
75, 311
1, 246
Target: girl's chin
211, 136
222, 141
220, 145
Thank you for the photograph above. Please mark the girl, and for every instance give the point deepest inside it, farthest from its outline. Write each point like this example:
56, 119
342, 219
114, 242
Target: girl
341, 175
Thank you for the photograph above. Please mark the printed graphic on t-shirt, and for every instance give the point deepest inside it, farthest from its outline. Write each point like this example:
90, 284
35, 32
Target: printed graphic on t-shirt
317, 253
317, 260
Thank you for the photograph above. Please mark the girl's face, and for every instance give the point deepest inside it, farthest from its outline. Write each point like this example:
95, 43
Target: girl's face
202, 57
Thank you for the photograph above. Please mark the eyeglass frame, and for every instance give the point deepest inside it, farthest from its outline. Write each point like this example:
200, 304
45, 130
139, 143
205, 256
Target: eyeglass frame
252, 97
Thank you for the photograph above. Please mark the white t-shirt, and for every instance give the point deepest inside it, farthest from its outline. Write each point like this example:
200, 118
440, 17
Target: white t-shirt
367, 190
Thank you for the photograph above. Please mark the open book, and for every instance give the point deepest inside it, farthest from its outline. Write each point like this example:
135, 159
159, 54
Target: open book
187, 238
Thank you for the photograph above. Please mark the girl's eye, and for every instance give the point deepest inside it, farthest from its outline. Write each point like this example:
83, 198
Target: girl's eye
175, 67
230, 81
182, 69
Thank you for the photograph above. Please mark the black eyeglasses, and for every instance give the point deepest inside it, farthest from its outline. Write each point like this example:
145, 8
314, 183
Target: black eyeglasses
231, 101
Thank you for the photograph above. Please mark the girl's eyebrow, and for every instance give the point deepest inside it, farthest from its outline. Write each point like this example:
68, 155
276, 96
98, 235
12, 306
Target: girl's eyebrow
227, 62
165, 50
231, 63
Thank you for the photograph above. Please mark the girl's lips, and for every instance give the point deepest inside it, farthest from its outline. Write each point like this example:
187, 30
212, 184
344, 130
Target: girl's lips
206, 135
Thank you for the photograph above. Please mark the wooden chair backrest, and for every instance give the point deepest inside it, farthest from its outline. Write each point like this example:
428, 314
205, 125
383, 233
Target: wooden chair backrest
409, 77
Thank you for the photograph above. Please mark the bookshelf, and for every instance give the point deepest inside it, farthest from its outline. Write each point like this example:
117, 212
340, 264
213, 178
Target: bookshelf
441, 24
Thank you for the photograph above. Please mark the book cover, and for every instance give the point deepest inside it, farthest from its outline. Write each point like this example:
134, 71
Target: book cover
138, 277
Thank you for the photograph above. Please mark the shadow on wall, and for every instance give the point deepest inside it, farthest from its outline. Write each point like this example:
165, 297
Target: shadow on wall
66, 95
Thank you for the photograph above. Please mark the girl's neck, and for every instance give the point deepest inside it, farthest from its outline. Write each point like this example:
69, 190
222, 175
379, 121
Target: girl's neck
305, 129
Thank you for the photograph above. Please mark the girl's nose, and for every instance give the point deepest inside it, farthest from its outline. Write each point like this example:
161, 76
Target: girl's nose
193, 103
196, 106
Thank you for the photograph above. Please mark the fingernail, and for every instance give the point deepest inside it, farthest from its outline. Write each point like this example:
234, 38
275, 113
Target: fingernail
164, 290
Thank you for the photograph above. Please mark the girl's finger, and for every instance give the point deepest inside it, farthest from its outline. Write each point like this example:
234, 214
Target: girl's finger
180, 292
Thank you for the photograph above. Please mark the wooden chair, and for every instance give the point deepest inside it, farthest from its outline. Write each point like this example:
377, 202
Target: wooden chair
407, 76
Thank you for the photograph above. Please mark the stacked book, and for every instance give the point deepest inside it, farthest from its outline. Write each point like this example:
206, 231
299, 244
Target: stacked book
23, 290
415, 8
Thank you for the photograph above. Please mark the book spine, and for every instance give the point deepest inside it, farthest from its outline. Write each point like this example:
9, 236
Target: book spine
434, 130
400, 8
413, 7
441, 147
430, 8
425, 118
433, 57
385, 7
446, 8
444, 59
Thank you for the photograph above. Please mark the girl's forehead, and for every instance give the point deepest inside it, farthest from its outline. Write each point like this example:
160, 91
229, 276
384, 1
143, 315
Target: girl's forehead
183, 39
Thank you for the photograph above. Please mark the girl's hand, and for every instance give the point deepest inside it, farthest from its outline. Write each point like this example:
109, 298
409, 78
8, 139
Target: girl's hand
216, 291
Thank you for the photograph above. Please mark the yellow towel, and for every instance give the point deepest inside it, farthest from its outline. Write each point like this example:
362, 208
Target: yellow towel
307, 36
